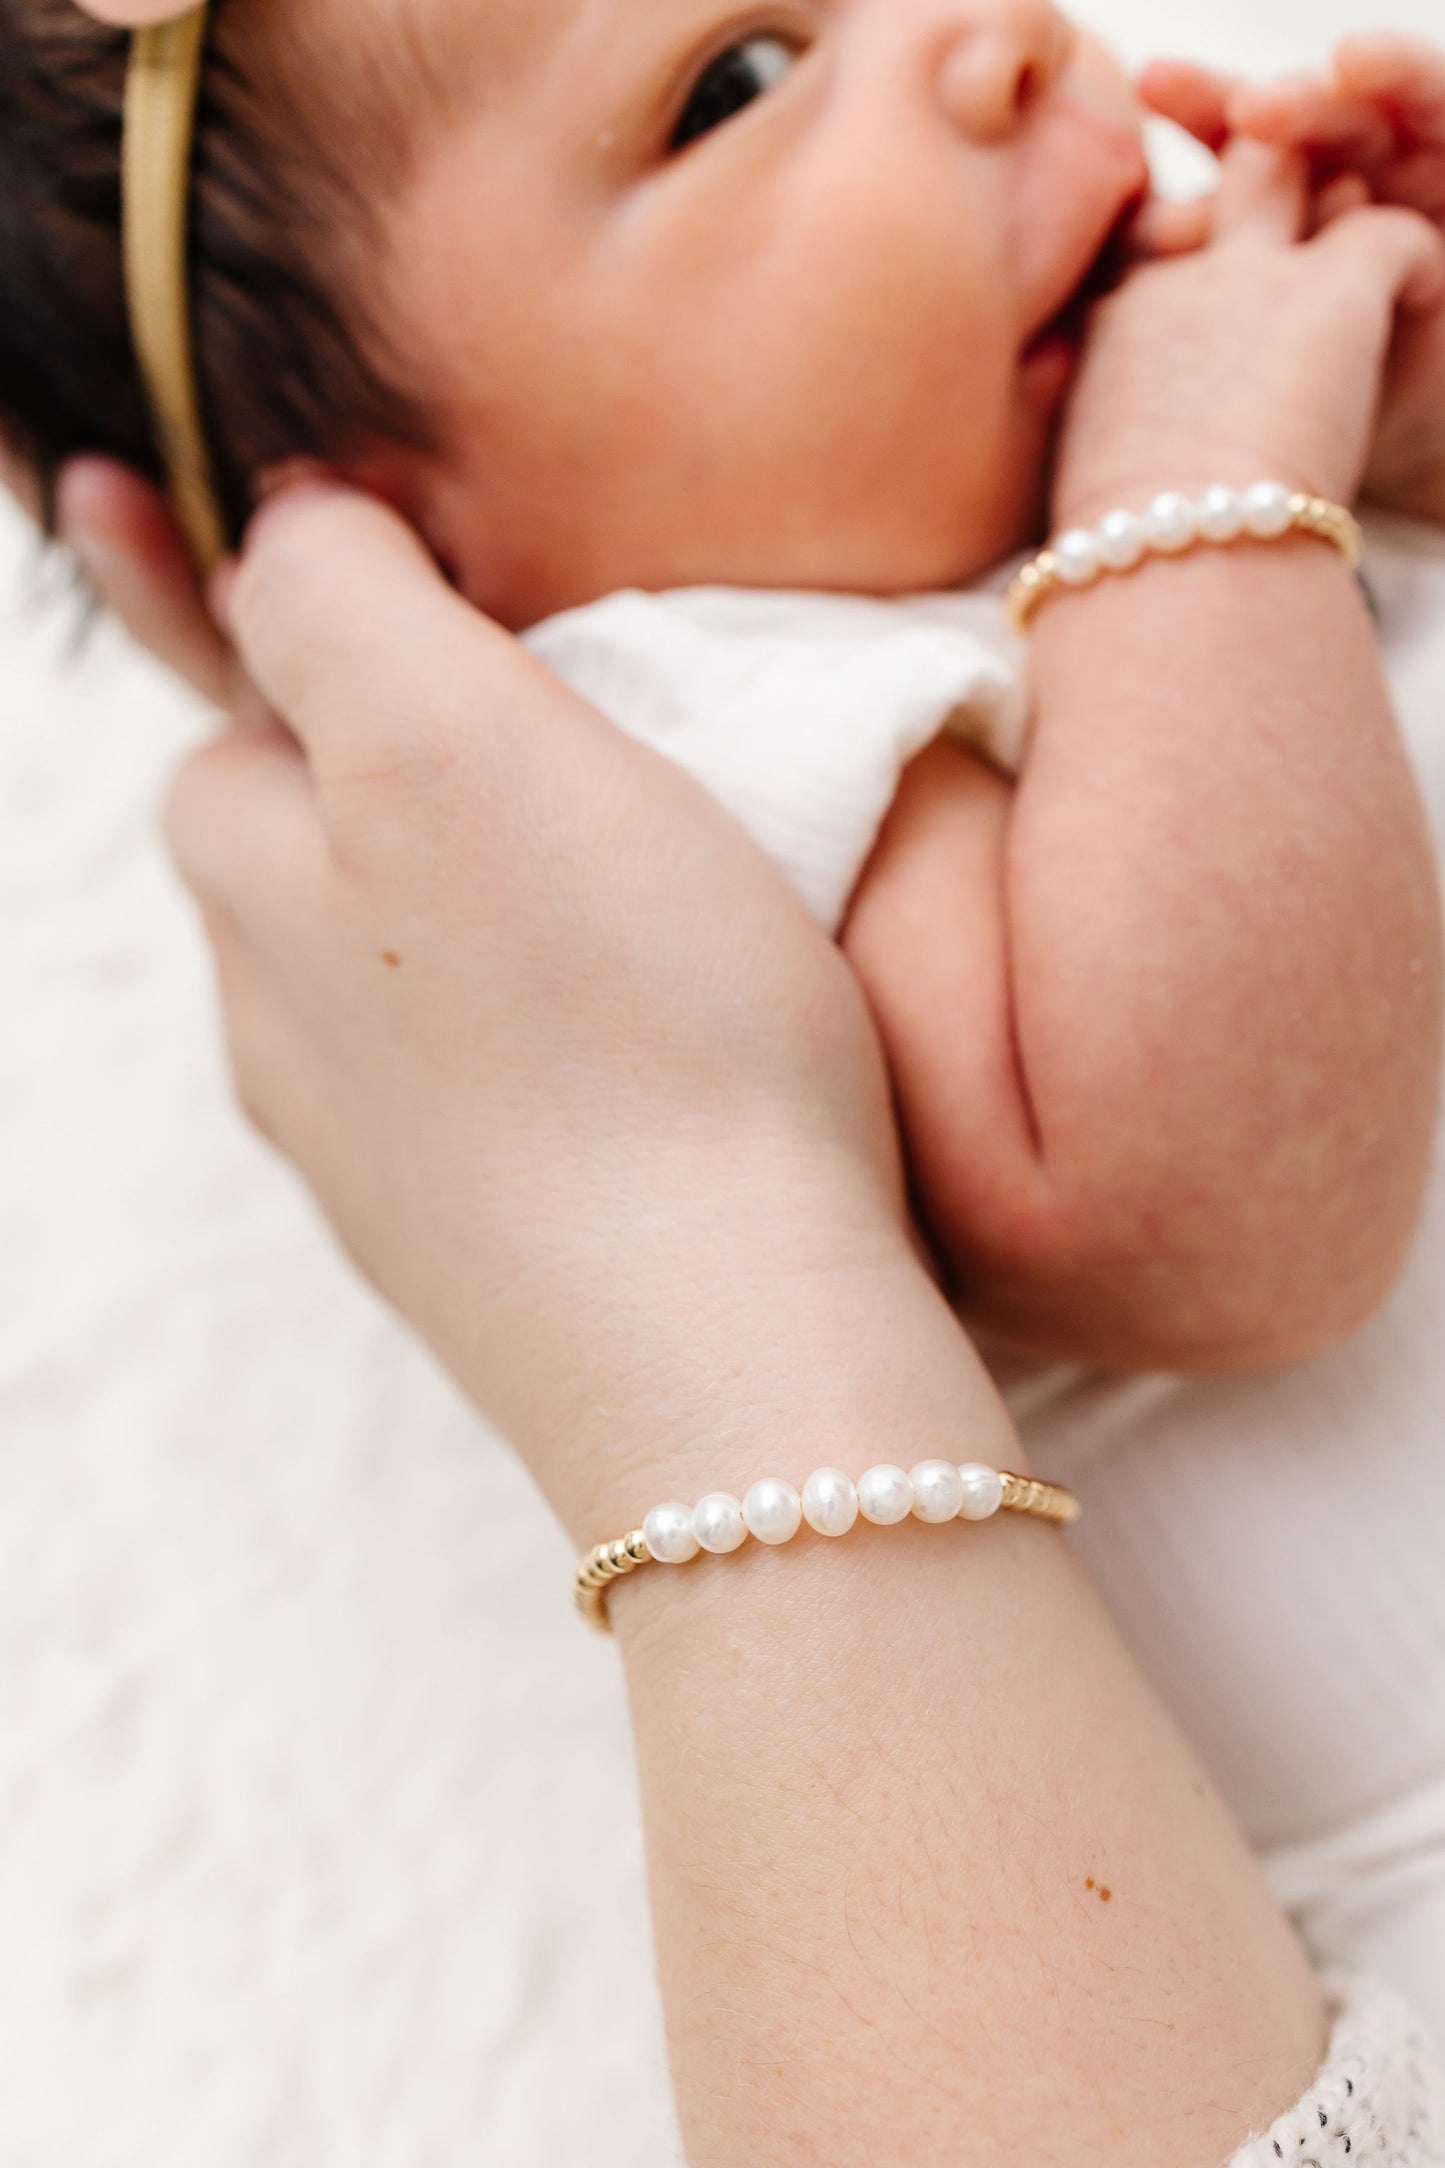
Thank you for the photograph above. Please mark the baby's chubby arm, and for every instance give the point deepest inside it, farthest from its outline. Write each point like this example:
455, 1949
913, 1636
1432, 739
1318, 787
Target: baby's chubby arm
1165, 1022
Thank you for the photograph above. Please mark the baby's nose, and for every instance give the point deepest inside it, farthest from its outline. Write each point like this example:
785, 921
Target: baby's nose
997, 59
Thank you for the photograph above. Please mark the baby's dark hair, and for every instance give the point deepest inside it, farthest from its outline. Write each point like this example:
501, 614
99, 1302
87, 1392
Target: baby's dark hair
294, 146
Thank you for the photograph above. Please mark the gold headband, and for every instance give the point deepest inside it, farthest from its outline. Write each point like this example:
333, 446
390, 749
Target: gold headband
161, 93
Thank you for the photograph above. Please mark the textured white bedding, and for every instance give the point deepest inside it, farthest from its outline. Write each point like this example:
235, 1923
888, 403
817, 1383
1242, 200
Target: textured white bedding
317, 1835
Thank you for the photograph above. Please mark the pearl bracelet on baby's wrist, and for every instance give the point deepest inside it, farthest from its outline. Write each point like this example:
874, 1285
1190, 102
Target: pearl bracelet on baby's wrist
1172, 524
935, 1491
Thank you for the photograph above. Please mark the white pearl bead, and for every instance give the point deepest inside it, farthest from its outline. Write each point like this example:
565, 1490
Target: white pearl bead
670, 1539
937, 1490
1170, 523
1076, 557
1120, 540
885, 1496
830, 1502
982, 1491
1221, 514
773, 1511
1267, 510
717, 1522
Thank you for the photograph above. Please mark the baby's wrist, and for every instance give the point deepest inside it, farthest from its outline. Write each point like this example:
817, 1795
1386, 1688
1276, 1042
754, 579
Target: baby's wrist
1085, 499
1416, 490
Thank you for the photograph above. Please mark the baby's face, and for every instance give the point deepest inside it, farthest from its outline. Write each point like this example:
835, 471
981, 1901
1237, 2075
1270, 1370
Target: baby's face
760, 295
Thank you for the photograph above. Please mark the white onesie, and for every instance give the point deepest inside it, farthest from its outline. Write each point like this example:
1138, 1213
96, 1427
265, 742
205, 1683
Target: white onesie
799, 712
1273, 1548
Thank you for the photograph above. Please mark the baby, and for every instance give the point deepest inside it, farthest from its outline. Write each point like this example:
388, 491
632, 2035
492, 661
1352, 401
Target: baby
620, 298
721, 352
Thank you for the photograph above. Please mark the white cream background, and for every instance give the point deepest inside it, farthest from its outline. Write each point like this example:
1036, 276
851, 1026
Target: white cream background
318, 1838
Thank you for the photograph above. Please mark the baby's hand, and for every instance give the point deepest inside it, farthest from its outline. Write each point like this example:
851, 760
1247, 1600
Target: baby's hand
1260, 356
1372, 127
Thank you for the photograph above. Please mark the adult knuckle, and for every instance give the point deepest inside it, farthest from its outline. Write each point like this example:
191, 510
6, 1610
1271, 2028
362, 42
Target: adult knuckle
194, 807
253, 1048
399, 766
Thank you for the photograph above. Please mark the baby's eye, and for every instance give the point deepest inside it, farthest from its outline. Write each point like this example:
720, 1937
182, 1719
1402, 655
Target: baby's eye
737, 78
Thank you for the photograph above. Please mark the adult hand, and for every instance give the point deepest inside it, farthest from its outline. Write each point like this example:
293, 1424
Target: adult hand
126, 540
592, 1099
580, 1085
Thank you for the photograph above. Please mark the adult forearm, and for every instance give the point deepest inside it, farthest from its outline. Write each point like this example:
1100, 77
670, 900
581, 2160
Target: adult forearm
933, 1875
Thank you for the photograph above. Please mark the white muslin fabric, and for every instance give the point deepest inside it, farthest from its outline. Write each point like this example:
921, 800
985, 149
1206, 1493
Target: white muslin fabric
799, 712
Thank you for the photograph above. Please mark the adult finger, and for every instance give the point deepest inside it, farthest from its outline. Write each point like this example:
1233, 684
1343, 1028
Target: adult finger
241, 822
352, 635
1195, 99
1264, 194
128, 546
18, 478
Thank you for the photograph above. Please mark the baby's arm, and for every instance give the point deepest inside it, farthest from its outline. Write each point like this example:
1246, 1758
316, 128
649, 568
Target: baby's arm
1165, 1023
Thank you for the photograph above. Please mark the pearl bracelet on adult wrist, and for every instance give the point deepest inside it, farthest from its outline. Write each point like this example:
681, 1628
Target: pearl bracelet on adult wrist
1172, 524
830, 1502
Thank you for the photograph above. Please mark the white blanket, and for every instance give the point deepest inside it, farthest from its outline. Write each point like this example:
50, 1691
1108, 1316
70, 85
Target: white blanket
317, 1834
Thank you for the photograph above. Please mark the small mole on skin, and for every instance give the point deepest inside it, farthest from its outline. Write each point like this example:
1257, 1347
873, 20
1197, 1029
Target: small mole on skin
1090, 1883
390, 957
1105, 1895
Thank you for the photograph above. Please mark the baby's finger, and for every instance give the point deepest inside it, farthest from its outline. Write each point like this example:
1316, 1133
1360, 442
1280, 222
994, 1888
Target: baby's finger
1311, 113
1195, 99
1399, 249
1338, 198
1416, 180
1405, 73
1264, 194
1168, 228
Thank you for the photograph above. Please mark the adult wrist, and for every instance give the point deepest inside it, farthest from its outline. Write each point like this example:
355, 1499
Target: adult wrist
847, 1367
